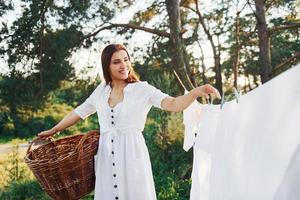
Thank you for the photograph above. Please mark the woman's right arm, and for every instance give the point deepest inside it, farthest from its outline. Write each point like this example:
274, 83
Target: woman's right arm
69, 120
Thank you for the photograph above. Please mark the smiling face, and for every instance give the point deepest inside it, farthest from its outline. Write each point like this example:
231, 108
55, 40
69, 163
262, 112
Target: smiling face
116, 64
119, 66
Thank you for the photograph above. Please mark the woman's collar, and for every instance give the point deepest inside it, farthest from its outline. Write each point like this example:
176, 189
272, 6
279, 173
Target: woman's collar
127, 88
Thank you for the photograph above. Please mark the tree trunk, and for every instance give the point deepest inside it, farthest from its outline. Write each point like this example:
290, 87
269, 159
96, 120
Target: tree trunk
264, 42
177, 45
237, 50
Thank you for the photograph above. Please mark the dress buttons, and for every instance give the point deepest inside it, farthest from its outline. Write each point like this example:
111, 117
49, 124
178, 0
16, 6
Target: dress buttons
114, 175
112, 116
112, 110
112, 141
112, 122
113, 164
112, 152
117, 198
115, 186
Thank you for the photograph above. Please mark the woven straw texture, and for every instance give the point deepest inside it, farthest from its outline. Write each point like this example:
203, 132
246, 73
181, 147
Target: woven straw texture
65, 167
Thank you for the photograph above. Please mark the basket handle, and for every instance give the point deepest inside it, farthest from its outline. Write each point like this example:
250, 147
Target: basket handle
50, 139
79, 147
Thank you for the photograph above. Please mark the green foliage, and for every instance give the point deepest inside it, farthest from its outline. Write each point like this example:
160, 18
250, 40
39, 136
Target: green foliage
24, 190
5, 6
285, 44
60, 102
175, 189
171, 165
144, 16
32, 90
73, 93
46, 119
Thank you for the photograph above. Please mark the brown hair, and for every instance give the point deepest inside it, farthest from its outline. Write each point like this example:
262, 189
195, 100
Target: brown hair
106, 55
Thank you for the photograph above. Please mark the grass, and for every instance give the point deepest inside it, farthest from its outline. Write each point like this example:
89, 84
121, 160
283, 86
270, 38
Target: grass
17, 182
13, 167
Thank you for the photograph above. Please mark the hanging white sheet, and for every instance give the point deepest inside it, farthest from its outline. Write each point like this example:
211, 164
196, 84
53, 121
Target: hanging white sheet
255, 149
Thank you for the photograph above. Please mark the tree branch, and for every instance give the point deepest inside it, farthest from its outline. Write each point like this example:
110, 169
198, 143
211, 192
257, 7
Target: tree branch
250, 6
249, 35
128, 26
290, 59
283, 27
149, 30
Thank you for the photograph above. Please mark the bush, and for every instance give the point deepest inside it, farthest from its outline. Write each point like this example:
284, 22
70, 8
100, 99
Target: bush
175, 189
27, 189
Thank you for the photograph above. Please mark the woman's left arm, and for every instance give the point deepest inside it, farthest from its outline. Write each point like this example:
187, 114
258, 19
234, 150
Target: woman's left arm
178, 104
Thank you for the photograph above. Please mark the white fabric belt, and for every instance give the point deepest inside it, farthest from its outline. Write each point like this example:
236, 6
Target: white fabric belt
118, 131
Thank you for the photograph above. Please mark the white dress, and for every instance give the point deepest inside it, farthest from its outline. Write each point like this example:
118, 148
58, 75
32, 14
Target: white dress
123, 166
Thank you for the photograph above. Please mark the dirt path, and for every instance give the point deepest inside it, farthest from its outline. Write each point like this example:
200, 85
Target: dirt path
6, 148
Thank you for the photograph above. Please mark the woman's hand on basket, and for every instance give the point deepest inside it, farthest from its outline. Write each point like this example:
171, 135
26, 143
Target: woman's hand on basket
46, 134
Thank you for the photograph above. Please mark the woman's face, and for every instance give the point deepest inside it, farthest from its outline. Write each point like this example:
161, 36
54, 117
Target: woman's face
119, 65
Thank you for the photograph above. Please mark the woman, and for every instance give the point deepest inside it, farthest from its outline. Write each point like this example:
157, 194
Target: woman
122, 104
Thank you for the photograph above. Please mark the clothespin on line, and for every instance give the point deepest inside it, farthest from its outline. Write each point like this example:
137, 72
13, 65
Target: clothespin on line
237, 95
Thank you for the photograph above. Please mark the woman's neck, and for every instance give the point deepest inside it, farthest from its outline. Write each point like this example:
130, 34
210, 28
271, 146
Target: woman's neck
118, 84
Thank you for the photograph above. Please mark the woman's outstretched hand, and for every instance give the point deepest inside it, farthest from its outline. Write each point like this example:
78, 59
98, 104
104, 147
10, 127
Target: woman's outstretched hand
206, 90
180, 103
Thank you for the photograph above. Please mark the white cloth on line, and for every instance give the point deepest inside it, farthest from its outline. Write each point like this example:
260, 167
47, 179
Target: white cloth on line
202, 150
191, 121
123, 168
205, 129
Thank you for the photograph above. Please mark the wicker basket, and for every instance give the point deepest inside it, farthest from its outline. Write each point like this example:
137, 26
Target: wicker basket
65, 167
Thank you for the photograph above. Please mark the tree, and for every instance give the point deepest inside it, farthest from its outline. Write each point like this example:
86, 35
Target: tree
177, 45
264, 40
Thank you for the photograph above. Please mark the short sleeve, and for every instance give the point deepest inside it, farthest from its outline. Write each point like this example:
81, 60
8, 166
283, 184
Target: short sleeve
155, 96
88, 107
191, 119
